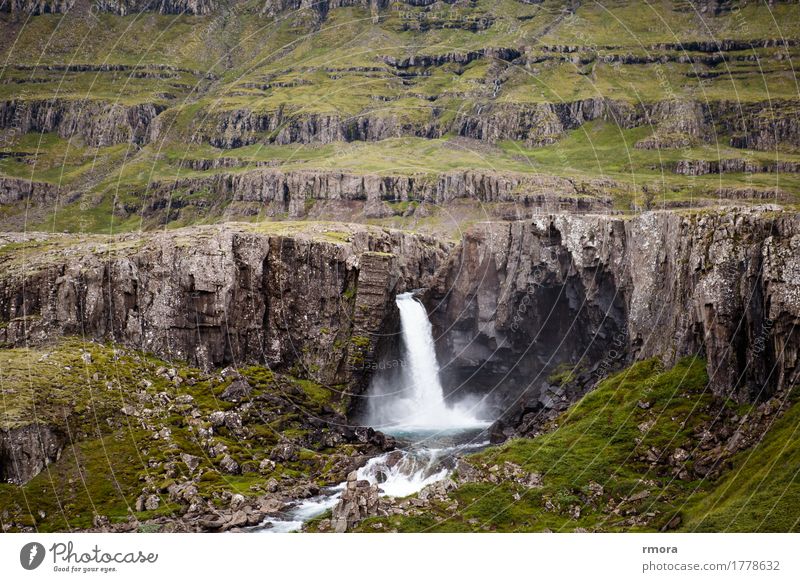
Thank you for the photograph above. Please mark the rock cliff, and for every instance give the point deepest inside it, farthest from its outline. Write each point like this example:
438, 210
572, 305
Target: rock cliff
536, 312
123, 7
97, 123
312, 303
677, 123
36, 7
289, 192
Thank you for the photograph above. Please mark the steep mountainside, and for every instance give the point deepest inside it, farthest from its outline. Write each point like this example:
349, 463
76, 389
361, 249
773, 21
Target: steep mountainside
166, 112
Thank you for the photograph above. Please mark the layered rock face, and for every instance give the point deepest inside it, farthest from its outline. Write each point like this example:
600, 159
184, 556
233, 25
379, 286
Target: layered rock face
123, 7
678, 123
36, 7
25, 451
14, 190
591, 292
533, 311
96, 123
290, 191
313, 305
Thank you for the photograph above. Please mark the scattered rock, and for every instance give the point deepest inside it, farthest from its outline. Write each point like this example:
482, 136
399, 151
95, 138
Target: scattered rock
229, 465
359, 501
191, 462
237, 391
284, 452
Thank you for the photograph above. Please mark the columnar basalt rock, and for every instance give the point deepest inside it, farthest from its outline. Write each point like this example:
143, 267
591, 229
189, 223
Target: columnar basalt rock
124, 7
13, 190
592, 292
288, 192
36, 7
677, 123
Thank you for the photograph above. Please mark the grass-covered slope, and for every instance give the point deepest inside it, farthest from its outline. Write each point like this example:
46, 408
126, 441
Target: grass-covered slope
629, 457
761, 490
385, 92
134, 427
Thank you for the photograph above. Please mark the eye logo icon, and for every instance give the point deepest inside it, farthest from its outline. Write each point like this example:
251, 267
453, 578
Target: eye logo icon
31, 555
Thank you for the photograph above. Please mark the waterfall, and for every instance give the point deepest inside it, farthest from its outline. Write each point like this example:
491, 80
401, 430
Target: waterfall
410, 406
418, 403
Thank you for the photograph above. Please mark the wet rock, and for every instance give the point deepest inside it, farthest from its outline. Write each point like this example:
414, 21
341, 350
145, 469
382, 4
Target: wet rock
359, 501
633, 300
368, 435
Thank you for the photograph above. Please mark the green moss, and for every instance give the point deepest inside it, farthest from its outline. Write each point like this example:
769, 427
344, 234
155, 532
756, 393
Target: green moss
360, 341
760, 492
94, 476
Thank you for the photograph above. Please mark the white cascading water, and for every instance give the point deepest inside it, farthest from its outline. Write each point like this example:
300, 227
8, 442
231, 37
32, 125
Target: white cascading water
418, 404
416, 412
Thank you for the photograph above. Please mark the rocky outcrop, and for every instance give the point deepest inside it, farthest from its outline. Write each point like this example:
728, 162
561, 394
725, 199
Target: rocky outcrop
13, 190
313, 304
124, 7
25, 451
320, 8
288, 192
458, 58
359, 501
593, 292
36, 7
734, 166
676, 123
759, 126
97, 123
722, 7
240, 127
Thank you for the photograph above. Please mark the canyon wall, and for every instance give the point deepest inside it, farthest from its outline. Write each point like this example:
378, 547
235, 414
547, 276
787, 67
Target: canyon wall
532, 311
312, 303
289, 192
536, 312
96, 123
678, 123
